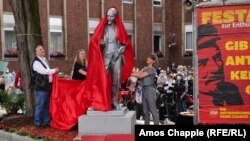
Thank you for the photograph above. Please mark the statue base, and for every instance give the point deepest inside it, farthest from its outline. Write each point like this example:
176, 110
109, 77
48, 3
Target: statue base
103, 123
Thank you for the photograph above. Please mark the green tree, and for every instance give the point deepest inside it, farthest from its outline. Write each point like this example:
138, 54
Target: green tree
28, 35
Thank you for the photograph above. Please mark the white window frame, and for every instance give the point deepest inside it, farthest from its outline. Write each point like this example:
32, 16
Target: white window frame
92, 24
56, 26
127, 1
8, 25
188, 29
129, 26
132, 43
157, 5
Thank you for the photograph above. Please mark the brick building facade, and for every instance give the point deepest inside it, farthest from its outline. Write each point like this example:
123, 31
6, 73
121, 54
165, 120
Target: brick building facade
151, 25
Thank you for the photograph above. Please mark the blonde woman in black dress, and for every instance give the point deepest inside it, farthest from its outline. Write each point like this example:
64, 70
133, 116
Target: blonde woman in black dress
80, 66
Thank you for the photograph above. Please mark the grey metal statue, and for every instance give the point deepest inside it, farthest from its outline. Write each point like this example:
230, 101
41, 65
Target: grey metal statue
112, 55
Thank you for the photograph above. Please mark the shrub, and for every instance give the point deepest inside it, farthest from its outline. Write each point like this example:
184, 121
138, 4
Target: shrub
12, 102
23, 133
10, 130
46, 139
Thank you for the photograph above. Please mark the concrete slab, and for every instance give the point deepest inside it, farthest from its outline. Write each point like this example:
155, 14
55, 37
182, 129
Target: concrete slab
107, 124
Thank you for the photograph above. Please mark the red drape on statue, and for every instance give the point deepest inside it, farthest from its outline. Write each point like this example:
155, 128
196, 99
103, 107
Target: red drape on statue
98, 85
71, 98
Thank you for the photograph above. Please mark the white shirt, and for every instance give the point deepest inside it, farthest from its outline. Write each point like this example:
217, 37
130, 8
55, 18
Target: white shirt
38, 67
161, 80
170, 83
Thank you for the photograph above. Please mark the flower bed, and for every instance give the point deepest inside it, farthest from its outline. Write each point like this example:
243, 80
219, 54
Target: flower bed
21, 126
10, 53
55, 54
188, 53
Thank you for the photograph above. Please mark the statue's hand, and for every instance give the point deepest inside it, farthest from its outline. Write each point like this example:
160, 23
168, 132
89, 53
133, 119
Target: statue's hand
121, 49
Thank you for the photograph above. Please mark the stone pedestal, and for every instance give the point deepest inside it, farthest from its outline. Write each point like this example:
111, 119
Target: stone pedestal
103, 123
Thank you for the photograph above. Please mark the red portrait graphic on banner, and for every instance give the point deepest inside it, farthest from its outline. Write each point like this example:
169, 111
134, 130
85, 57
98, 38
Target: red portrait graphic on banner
223, 41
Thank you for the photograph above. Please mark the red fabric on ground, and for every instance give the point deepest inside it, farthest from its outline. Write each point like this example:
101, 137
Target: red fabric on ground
67, 103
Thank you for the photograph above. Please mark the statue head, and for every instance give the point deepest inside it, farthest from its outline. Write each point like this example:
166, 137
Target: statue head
111, 14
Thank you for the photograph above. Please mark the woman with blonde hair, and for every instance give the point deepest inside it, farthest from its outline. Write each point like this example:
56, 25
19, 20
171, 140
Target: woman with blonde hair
147, 76
80, 66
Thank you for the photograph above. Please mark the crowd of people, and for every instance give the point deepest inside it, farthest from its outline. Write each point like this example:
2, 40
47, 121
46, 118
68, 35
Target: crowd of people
173, 92
10, 82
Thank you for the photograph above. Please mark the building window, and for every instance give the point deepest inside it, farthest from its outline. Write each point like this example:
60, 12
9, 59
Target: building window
56, 48
10, 44
90, 36
127, 1
10, 49
132, 43
93, 23
188, 40
157, 2
157, 46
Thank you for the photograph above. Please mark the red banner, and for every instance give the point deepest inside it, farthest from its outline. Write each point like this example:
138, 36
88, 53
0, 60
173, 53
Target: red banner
223, 47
